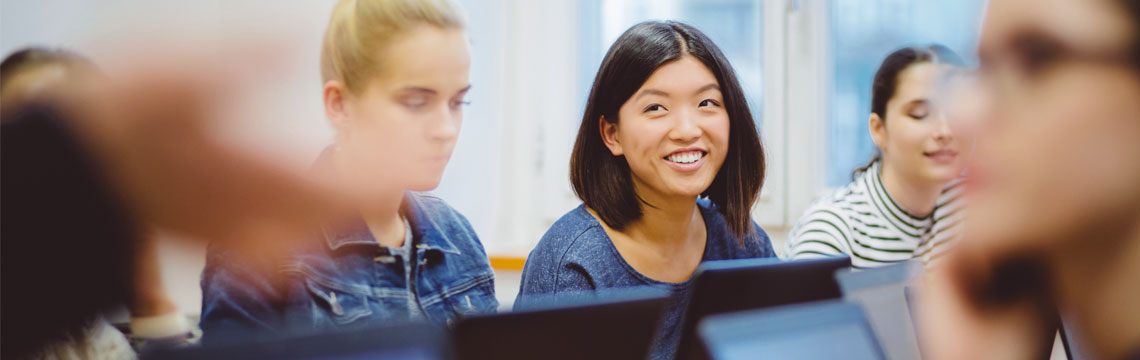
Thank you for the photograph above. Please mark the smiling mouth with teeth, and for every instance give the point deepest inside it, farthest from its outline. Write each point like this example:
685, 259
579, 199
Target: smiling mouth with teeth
687, 157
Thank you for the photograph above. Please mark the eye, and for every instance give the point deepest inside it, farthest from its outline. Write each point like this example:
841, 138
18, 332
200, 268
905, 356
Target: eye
415, 101
708, 102
456, 104
653, 107
918, 112
1035, 52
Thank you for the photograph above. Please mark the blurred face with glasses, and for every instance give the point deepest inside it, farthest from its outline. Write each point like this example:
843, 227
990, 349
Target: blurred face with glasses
1054, 109
1057, 110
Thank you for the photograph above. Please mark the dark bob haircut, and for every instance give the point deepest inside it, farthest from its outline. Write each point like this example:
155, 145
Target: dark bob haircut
603, 181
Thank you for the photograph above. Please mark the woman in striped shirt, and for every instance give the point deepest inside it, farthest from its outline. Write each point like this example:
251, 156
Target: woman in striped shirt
903, 204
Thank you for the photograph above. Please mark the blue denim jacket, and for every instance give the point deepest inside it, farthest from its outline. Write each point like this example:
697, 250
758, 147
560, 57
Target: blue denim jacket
347, 280
575, 257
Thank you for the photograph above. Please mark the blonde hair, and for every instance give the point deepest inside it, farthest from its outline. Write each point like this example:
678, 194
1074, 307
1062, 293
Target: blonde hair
360, 29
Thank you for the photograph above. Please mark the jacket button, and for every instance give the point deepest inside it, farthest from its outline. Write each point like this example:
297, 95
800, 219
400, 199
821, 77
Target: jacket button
336, 308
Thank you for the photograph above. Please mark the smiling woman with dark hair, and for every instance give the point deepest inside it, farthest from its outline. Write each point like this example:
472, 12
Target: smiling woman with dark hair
667, 163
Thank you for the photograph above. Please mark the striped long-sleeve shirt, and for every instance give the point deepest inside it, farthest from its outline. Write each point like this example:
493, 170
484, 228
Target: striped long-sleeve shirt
862, 221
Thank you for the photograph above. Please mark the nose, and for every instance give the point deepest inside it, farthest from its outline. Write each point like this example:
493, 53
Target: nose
685, 128
444, 126
943, 133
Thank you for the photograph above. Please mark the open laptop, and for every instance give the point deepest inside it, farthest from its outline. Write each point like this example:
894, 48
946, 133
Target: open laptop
882, 292
612, 329
406, 341
832, 329
736, 285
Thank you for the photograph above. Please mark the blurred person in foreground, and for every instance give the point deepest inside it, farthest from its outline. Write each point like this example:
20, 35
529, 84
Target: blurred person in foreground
1055, 222
34, 75
90, 167
31, 74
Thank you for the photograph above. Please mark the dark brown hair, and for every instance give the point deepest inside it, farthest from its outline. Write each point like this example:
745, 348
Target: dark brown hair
886, 80
603, 181
1133, 9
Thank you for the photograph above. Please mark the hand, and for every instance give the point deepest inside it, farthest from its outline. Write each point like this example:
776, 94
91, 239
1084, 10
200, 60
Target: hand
150, 131
961, 315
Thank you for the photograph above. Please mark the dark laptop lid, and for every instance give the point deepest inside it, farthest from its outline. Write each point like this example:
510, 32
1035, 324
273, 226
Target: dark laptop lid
606, 329
736, 285
404, 341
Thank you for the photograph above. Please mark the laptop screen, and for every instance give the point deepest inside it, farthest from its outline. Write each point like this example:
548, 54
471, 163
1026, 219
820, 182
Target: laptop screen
838, 341
821, 330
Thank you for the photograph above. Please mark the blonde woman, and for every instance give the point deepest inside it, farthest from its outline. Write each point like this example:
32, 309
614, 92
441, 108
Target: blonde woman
395, 75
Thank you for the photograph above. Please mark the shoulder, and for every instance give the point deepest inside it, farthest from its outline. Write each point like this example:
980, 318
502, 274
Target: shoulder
574, 247
835, 208
575, 235
435, 216
437, 211
231, 268
825, 227
242, 288
726, 245
830, 213
227, 268
566, 260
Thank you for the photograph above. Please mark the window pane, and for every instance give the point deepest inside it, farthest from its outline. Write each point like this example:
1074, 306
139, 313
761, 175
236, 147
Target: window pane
863, 32
734, 25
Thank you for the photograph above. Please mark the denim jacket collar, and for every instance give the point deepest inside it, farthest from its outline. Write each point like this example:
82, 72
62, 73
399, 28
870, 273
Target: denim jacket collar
427, 234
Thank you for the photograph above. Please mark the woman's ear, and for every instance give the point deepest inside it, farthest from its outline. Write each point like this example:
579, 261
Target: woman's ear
878, 129
609, 136
335, 107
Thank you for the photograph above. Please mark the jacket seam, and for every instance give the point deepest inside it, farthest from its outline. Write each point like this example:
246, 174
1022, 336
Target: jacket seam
461, 288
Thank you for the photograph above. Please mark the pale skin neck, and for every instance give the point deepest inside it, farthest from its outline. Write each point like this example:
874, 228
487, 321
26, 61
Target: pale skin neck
1098, 288
384, 221
916, 198
382, 216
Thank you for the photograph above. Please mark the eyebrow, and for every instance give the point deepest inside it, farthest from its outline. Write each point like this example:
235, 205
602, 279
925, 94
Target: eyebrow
421, 89
910, 105
662, 93
707, 88
645, 92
